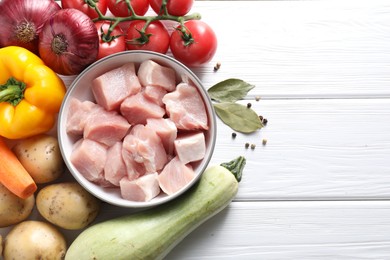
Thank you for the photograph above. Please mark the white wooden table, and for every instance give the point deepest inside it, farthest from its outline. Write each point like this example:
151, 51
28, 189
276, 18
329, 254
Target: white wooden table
320, 187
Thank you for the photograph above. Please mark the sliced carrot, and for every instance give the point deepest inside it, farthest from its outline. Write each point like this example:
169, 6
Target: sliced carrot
13, 175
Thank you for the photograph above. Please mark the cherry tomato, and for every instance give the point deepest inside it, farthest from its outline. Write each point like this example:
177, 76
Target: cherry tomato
174, 7
196, 46
115, 43
85, 8
155, 38
120, 9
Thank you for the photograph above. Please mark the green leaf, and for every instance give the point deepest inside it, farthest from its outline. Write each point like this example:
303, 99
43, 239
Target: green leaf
238, 117
229, 90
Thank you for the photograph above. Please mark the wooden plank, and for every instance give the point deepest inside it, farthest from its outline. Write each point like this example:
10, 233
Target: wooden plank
283, 230
301, 48
316, 149
292, 230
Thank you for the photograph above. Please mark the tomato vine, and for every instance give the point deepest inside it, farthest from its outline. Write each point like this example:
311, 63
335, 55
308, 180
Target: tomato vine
163, 15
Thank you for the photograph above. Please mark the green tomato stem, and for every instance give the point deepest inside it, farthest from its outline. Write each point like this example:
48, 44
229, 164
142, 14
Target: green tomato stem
107, 37
164, 15
164, 7
131, 9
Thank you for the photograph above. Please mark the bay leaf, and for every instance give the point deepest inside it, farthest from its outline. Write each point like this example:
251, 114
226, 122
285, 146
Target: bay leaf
229, 90
239, 117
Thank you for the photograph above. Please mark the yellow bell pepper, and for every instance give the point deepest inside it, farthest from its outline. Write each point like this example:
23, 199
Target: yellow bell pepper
30, 94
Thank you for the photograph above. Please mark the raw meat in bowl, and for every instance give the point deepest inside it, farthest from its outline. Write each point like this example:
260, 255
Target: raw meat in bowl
140, 136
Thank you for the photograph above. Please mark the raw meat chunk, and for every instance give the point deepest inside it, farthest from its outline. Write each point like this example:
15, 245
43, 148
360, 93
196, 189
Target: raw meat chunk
155, 94
89, 158
78, 114
175, 176
115, 167
146, 148
106, 127
133, 168
112, 87
166, 130
190, 147
186, 108
142, 189
136, 109
151, 73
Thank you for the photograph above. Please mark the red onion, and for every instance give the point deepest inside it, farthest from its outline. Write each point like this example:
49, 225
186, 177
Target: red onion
21, 21
69, 42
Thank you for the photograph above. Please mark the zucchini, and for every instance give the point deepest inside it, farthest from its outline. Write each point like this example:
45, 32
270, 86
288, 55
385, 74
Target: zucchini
153, 233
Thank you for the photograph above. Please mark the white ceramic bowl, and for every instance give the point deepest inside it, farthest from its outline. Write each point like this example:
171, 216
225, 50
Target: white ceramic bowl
81, 89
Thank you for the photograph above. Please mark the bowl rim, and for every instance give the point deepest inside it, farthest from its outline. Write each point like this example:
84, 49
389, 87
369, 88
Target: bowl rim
203, 163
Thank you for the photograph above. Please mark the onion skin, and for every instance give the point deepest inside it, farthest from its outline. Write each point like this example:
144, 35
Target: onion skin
69, 42
17, 14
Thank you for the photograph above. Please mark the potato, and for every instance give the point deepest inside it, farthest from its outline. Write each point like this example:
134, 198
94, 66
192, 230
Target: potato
67, 205
41, 156
34, 240
12, 208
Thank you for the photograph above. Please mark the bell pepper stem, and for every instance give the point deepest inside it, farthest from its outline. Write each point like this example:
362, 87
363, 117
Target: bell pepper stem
12, 91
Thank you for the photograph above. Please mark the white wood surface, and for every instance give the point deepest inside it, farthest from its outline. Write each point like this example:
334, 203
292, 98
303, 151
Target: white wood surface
320, 187
292, 230
295, 49
316, 149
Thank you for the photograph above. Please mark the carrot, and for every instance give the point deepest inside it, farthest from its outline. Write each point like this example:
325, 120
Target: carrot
13, 175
